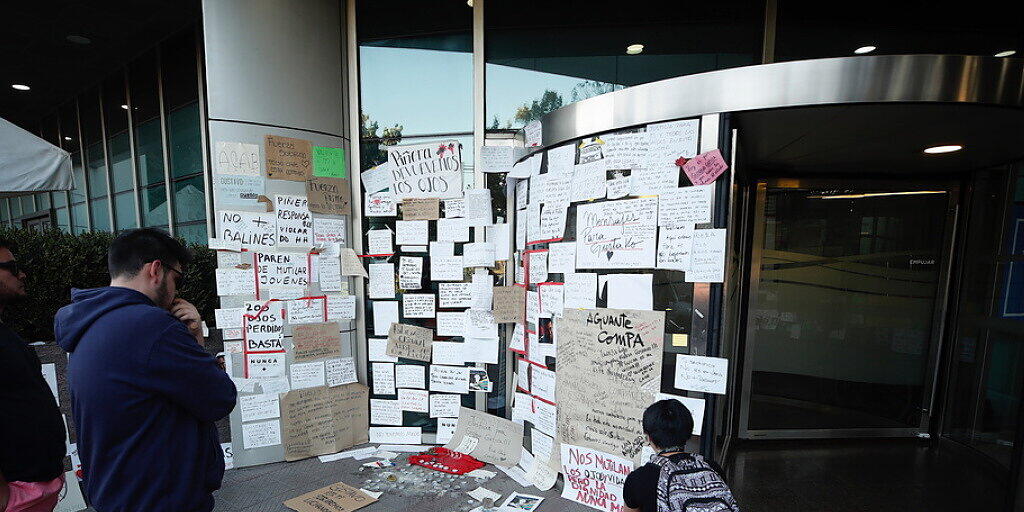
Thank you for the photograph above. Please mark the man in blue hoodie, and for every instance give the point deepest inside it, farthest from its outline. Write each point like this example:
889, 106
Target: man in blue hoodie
145, 393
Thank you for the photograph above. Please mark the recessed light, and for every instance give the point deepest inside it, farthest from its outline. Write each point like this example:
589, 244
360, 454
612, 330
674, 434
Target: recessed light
77, 39
1006, 53
949, 148
124, 107
20, 87
864, 49
67, 138
634, 49
469, 3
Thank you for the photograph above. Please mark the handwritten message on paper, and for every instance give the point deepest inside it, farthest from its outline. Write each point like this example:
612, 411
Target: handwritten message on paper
237, 158
617, 234
685, 206
426, 170
705, 168
609, 367
707, 256
237, 189
495, 159
410, 341
294, 222
313, 341
337, 497
321, 420
498, 441
594, 478
287, 158
509, 304
264, 326
421, 208
701, 373
380, 204
674, 247
331, 196
329, 162
254, 230
281, 269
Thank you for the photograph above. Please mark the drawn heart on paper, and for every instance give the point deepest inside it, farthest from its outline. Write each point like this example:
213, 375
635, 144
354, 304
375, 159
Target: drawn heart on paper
609, 254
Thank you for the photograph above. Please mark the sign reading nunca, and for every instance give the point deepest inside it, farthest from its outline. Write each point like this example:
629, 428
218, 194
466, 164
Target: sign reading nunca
426, 170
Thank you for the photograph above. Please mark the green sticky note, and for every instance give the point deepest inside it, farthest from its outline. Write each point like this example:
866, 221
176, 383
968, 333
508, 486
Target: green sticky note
329, 162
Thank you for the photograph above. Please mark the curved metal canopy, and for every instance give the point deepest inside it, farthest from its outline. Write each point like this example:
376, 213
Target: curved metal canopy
844, 113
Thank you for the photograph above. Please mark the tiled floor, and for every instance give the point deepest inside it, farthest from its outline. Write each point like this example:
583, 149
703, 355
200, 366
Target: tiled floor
874, 475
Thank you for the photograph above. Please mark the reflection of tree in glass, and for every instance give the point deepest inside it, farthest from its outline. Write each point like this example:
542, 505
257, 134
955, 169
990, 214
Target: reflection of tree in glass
552, 100
372, 148
590, 88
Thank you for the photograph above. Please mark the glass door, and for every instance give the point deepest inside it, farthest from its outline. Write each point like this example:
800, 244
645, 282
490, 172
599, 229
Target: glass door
846, 287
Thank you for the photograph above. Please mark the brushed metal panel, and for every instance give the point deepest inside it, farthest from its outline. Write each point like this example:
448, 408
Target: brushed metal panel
844, 80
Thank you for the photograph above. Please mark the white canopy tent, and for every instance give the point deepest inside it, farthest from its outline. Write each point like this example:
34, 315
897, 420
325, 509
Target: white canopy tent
30, 164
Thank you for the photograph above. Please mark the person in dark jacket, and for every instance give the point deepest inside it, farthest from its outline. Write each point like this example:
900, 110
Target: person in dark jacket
31, 428
145, 394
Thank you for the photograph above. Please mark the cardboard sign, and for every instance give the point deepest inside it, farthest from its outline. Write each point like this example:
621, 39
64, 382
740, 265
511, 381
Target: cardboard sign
315, 341
322, 420
287, 158
497, 440
331, 196
333, 498
421, 209
410, 342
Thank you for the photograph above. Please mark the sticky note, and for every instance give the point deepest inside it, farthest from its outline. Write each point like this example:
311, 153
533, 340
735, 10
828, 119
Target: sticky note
329, 162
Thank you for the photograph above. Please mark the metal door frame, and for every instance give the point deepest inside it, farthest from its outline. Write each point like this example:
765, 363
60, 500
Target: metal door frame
938, 327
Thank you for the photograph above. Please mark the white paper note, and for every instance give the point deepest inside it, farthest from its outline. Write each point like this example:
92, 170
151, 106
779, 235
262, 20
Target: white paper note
383, 378
411, 232
629, 291
385, 313
382, 281
701, 373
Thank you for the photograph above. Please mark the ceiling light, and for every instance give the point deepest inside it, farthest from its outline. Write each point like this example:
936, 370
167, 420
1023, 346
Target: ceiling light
67, 138
634, 49
1006, 53
864, 49
949, 148
469, 3
77, 39
124, 107
20, 87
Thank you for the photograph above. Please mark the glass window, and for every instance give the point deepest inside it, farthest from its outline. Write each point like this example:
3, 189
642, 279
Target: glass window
115, 104
15, 208
97, 170
28, 205
100, 215
43, 201
154, 206
120, 162
807, 29
189, 200
60, 199
421, 46
178, 65
49, 130
5, 215
80, 218
142, 86
63, 220
124, 210
186, 147
89, 116
194, 233
67, 116
149, 153
536, 64
78, 193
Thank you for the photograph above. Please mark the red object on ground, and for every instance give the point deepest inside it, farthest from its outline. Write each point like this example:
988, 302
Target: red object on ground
446, 461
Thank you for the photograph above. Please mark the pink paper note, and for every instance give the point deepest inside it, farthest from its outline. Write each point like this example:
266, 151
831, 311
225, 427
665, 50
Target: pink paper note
705, 168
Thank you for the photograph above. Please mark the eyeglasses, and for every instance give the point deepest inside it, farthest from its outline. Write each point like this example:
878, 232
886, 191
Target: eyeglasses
11, 266
179, 280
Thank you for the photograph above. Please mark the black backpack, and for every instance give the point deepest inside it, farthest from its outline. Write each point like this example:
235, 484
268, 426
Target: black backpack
692, 485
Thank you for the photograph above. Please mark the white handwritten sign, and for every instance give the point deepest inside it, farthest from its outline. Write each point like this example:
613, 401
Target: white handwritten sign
594, 478
237, 158
254, 230
282, 269
426, 170
617, 234
701, 373
294, 222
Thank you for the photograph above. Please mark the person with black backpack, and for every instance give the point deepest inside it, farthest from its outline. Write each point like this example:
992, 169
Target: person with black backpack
675, 481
